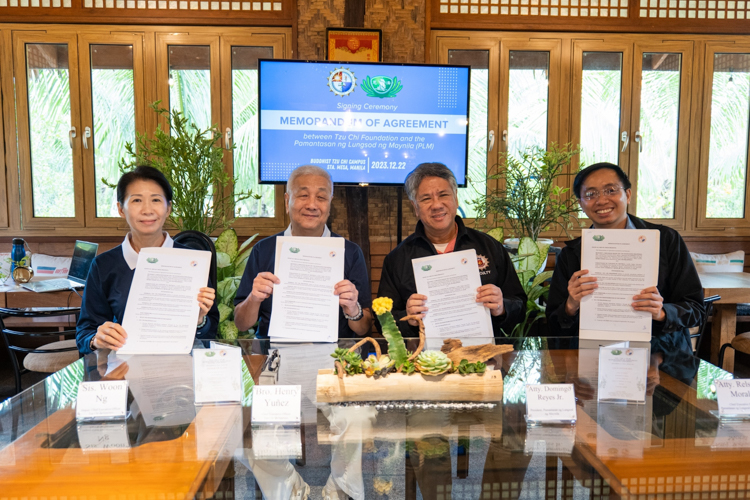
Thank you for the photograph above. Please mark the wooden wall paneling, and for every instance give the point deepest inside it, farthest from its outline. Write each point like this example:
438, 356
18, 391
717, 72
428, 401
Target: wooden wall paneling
9, 129
281, 44
5, 67
685, 49
313, 17
403, 25
237, 15
703, 138
134, 40
20, 39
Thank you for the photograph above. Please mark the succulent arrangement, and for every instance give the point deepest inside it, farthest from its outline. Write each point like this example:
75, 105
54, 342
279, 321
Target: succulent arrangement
398, 359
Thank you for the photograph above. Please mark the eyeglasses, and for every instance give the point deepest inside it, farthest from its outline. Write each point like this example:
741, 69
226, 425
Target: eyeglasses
594, 194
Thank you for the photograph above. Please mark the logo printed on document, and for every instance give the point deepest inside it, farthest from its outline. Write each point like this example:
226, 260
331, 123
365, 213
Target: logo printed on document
642, 239
381, 86
193, 263
464, 261
332, 254
152, 260
294, 250
426, 267
598, 237
342, 82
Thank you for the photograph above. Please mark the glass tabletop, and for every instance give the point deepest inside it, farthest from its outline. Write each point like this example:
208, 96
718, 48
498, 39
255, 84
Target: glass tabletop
443, 443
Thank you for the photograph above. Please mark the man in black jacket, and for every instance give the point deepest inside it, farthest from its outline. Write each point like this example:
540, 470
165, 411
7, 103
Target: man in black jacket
675, 304
433, 191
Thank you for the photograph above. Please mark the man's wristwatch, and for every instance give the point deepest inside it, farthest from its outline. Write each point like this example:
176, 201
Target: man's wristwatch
357, 316
203, 323
92, 346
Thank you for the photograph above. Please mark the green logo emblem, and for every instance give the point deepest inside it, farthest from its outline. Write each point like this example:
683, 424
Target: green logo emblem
426, 267
152, 260
210, 354
598, 237
616, 352
381, 86
294, 250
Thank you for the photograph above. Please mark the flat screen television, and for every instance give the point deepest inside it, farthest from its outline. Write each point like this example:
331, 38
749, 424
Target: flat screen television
366, 123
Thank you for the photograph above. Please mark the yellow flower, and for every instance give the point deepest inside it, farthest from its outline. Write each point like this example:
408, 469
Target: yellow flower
381, 305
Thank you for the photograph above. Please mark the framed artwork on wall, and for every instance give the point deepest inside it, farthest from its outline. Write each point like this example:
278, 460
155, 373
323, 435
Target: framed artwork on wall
354, 44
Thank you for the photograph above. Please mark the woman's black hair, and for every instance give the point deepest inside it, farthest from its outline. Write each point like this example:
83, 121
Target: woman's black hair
143, 173
583, 174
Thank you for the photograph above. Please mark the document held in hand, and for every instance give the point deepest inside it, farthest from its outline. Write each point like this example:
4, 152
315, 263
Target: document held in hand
162, 311
450, 282
304, 306
624, 262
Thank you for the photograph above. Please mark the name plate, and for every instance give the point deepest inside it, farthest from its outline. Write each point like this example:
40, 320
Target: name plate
554, 440
734, 397
276, 442
622, 374
277, 403
550, 403
103, 436
104, 400
217, 375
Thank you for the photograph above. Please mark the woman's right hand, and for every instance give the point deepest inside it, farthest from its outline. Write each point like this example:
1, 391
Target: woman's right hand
110, 336
578, 287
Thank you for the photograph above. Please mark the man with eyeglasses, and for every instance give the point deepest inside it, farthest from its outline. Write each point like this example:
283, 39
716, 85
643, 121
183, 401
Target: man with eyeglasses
675, 304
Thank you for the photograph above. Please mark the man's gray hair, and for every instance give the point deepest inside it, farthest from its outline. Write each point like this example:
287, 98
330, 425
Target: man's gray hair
424, 170
308, 170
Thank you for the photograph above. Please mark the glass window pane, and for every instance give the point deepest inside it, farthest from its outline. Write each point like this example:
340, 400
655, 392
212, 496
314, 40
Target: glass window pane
190, 83
601, 86
48, 84
245, 132
660, 110
479, 61
727, 154
528, 80
113, 105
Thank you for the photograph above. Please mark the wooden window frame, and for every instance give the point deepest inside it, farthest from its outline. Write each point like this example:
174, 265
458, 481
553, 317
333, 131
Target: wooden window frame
704, 138
281, 50
20, 40
87, 114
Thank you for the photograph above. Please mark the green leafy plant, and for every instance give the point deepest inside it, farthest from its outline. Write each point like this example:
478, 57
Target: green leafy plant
351, 361
464, 367
529, 197
231, 260
192, 161
533, 286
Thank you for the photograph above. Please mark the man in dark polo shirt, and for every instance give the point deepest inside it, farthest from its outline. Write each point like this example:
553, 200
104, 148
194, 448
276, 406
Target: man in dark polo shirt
309, 191
433, 191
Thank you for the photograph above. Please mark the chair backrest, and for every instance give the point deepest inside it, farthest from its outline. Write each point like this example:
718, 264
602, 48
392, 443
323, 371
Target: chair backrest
733, 262
200, 241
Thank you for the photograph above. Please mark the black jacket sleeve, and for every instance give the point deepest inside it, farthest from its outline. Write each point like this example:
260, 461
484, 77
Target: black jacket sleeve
514, 298
558, 322
683, 293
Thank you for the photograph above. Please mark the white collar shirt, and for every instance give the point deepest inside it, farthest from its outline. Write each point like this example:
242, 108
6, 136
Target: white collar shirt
131, 256
326, 231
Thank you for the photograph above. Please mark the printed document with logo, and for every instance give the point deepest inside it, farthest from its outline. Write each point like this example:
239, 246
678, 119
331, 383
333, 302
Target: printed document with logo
450, 282
162, 312
304, 306
624, 261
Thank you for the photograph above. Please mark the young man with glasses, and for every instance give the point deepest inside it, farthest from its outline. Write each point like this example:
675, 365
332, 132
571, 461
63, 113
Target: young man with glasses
675, 304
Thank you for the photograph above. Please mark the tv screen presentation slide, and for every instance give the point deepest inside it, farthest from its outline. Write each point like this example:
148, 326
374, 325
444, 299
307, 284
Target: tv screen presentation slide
363, 123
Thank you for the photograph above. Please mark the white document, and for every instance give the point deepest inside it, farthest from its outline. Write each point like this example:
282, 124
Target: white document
304, 306
624, 261
102, 400
733, 397
623, 373
277, 404
217, 375
450, 282
732, 436
162, 311
550, 403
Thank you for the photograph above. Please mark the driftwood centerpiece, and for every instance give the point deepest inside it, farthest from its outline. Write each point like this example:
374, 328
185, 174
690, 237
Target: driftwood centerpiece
453, 348
402, 376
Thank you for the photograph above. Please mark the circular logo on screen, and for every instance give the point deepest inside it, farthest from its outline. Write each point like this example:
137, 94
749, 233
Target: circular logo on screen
342, 82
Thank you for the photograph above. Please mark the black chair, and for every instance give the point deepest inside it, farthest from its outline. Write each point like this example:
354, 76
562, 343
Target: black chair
47, 358
708, 302
200, 241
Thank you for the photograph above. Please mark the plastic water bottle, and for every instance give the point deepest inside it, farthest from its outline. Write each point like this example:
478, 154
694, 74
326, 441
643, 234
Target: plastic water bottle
17, 253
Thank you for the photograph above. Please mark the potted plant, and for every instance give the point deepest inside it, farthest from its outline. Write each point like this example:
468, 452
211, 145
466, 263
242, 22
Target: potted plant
231, 260
528, 201
192, 161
